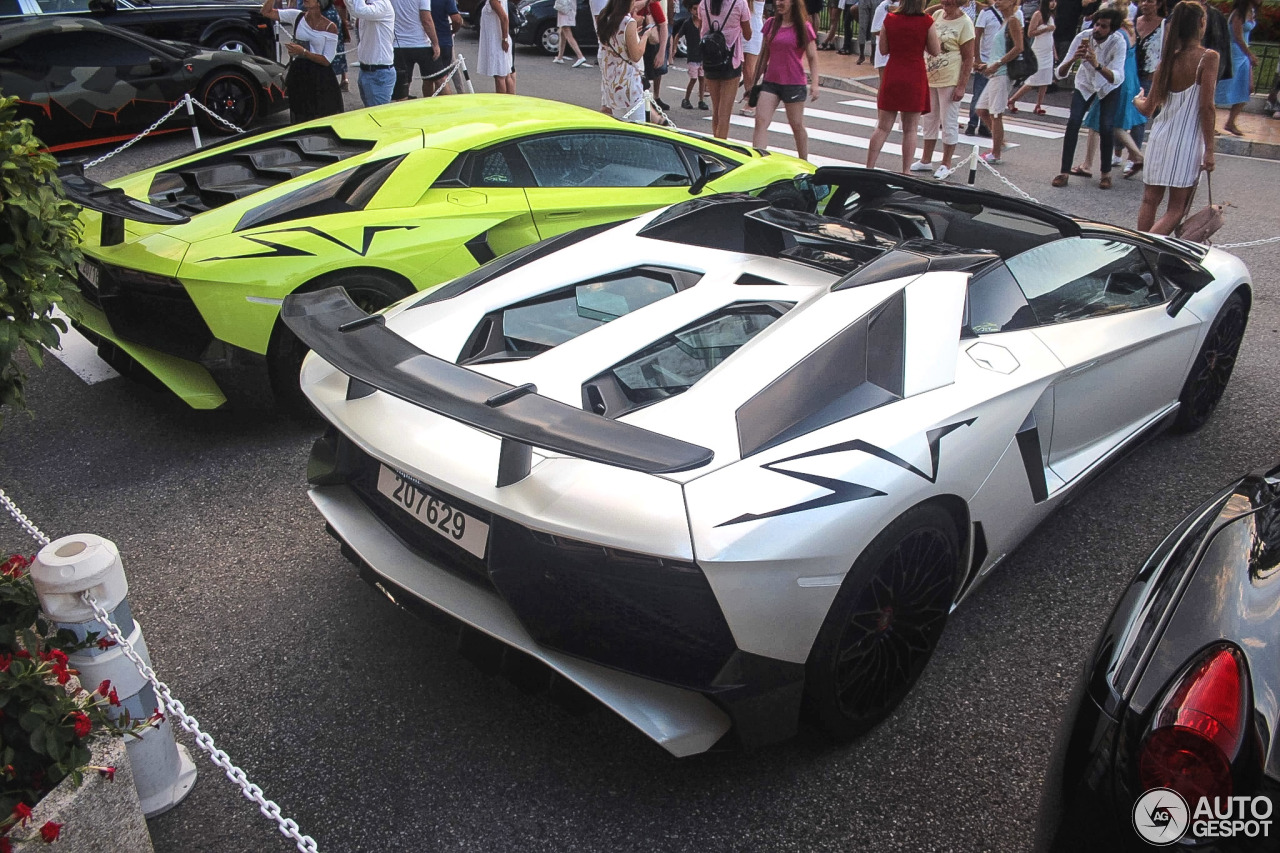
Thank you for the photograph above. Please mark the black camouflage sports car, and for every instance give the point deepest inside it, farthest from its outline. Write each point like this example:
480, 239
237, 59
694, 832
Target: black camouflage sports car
84, 83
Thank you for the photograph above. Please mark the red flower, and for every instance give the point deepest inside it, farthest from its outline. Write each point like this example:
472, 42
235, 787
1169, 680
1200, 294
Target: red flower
82, 723
108, 773
21, 812
61, 673
6, 846
49, 832
113, 698
157, 718
22, 653
103, 687
15, 566
106, 643
57, 655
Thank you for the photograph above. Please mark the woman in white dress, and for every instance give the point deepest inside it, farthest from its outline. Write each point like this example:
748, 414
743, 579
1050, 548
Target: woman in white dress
495, 58
621, 49
1182, 90
565, 20
1041, 31
751, 52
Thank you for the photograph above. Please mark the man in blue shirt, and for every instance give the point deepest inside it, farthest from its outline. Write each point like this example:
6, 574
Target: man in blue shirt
448, 21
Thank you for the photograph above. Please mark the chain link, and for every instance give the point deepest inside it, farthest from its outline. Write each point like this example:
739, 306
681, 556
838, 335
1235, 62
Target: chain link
1008, 183
22, 519
154, 125
1247, 244
271, 811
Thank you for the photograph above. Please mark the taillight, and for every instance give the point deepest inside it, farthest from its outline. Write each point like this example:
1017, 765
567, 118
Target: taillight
1198, 729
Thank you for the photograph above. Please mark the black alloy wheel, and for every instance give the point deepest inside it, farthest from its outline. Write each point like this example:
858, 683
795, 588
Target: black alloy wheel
368, 289
884, 624
231, 96
1211, 370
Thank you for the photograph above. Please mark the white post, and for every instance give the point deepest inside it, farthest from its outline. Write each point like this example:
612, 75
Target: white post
466, 75
64, 569
973, 165
191, 113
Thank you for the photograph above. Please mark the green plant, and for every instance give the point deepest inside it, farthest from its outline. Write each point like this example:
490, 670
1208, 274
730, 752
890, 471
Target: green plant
44, 727
39, 239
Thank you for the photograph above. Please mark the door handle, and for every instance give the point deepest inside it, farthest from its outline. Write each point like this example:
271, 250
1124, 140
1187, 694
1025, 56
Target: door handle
1082, 368
564, 214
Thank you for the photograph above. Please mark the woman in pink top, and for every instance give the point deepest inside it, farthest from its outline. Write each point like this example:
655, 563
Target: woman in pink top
788, 38
731, 18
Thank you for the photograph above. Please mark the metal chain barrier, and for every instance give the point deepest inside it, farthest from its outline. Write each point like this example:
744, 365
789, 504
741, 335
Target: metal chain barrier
182, 103
1247, 243
1008, 183
648, 101
287, 826
215, 116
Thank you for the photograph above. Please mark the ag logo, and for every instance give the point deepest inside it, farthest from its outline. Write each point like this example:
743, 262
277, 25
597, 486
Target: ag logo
1161, 816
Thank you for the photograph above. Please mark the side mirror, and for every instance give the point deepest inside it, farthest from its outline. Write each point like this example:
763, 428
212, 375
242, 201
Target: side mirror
1188, 277
708, 170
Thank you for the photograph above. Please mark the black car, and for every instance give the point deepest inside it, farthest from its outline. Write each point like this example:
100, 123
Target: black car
1172, 736
84, 83
215, 24
534, 24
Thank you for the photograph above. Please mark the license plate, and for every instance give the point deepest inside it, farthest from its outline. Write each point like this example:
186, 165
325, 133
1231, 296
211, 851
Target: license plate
89, 270
438, 516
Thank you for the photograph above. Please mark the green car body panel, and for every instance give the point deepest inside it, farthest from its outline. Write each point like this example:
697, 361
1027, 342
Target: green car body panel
413, 229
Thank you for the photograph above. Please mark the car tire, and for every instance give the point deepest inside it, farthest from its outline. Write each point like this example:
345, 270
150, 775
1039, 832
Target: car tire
548, 37
884, 624
369, 289
231, 95
1212, 367
233, 40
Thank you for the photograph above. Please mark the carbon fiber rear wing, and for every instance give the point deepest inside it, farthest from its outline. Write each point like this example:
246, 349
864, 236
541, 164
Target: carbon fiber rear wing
114, 205
361, 346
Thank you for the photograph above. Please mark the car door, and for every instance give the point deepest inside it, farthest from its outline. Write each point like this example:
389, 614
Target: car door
105, 81
582, 178
1102, 311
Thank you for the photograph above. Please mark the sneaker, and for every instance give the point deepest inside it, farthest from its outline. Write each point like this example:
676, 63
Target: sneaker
983, 132
1117, 161
943, 173
920, 166
991, 159
559, 60
582, 63
702, 105
685, 105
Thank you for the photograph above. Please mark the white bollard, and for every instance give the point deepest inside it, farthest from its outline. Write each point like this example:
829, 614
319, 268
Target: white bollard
973, 165
163, 771
191, 113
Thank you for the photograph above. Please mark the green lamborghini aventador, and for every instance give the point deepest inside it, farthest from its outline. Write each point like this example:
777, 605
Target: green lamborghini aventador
186, 264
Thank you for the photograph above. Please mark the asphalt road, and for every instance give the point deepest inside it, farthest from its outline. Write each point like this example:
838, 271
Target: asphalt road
366, 727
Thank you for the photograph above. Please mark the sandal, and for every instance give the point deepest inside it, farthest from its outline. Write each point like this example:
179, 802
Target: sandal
1104, 183
1011, 107
1058, 181
1039, 111
1079, 172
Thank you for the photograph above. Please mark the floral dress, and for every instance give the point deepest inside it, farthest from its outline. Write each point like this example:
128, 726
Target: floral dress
621, 83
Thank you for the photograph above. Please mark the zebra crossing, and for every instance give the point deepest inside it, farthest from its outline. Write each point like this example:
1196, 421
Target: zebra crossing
848, 128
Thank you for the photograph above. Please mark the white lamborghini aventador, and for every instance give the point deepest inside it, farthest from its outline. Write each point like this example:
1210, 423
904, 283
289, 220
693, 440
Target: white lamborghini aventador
729, 462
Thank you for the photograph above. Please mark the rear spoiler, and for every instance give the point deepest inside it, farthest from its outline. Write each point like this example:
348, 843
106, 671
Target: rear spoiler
361, 346
114, 204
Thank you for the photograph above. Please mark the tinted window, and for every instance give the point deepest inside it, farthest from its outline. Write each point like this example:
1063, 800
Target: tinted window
603, 160
84, 49
996, 303
1084, 277
495, 171
54, 6
537, 325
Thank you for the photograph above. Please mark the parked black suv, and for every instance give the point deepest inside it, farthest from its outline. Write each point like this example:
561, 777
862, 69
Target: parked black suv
217, 24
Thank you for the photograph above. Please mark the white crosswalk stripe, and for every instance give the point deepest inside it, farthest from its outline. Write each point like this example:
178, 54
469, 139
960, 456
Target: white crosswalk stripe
846, 124
81, 356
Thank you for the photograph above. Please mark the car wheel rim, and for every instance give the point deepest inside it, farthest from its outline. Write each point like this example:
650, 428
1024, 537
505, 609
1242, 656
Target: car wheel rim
230, 99
896, 622
369, 301
551, 39
1217, 361
235, 46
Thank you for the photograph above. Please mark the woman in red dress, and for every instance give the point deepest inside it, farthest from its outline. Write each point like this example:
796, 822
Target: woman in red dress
907, 35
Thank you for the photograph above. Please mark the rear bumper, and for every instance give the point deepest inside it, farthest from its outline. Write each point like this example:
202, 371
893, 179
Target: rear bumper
684, 722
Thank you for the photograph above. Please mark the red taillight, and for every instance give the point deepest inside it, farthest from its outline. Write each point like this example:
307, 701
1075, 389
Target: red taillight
1198, 729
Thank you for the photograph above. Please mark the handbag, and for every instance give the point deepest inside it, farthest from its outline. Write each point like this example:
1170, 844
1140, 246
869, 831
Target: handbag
1204, 223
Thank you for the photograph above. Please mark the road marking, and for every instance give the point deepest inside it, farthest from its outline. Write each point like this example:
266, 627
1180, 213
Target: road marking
1010, 126
820, 134
80, 356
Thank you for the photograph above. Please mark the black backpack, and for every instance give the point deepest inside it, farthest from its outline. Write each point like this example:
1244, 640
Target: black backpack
717, 58
1024, 64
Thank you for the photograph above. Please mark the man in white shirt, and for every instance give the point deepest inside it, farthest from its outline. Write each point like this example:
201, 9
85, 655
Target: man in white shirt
1100, 51
877, 24
416, 44
376, 50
